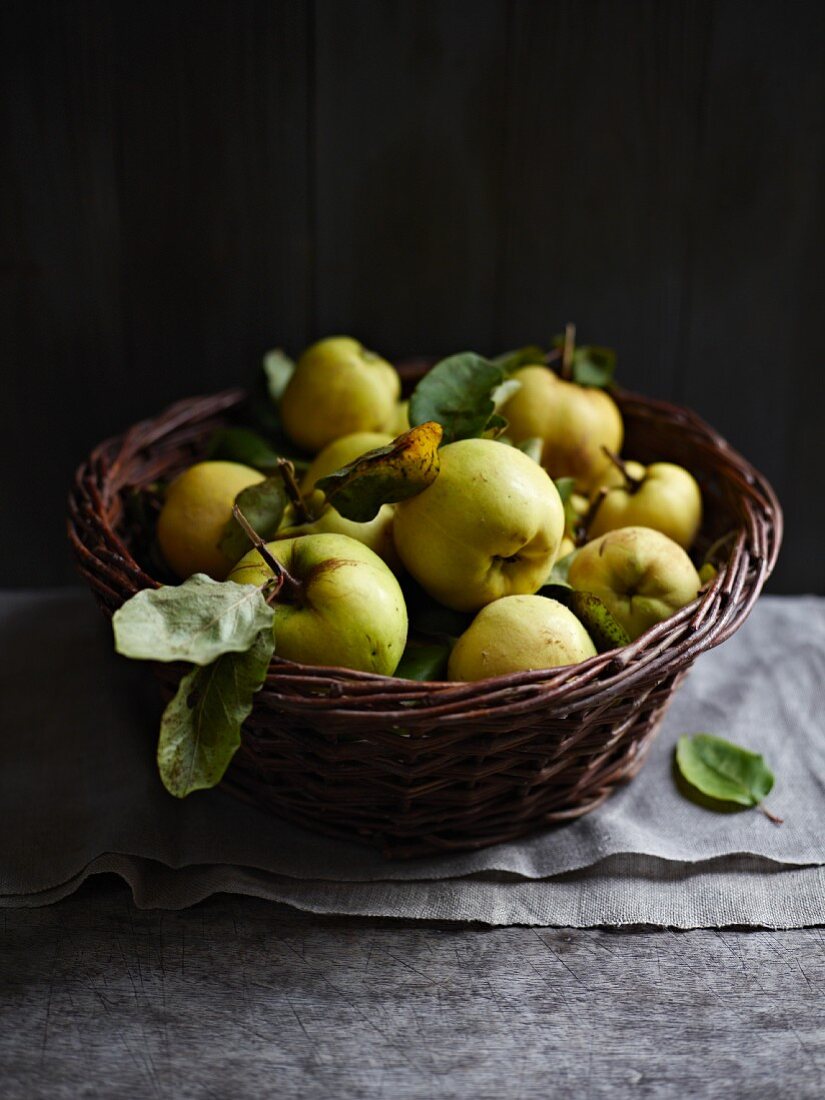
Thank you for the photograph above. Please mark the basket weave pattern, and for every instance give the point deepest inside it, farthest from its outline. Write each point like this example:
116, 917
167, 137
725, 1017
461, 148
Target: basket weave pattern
417, 768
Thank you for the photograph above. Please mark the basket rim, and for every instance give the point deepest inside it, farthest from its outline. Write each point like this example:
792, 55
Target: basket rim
106, 562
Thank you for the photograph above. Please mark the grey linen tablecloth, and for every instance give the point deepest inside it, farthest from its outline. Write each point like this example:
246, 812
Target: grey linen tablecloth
79, 795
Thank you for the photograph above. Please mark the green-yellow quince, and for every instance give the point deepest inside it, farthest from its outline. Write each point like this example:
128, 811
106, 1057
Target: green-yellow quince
517, 634
490, 525
574, 422
663, 496
640, 575
196, 510
346, 608
338, 387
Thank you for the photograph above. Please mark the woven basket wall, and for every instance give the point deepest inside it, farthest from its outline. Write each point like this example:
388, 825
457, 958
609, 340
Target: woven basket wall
417, 768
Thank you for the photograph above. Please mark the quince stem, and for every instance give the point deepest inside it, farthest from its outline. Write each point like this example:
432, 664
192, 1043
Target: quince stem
633, 483
590, 515
567, 351
283, 578
771, 817
287, 472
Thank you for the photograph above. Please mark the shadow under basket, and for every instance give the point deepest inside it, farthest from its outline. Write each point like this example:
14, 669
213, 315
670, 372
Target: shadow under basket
418, 768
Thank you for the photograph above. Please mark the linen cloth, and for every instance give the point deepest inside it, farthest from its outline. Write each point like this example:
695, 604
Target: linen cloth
79, 794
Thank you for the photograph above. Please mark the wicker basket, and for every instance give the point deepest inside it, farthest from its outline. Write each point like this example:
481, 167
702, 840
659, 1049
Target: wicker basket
418, 768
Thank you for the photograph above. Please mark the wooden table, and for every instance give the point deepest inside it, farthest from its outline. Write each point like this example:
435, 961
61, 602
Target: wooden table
239, 997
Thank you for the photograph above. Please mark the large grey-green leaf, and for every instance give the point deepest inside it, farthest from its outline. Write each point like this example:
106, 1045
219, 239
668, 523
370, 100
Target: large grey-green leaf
196, 621
457, 393
722, 770
201, 727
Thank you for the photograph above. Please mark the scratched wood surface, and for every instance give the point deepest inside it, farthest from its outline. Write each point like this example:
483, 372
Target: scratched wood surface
237, 997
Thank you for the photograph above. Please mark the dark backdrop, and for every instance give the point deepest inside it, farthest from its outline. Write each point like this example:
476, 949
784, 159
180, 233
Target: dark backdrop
188, 183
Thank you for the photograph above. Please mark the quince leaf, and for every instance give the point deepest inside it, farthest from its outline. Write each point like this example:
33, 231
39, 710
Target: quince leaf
423, 662
532, 447
386, 475
278, 368
263, 505
511, 361
592, 366
196, 621
723, 771
707, 573
431, 618
242, 445
566, 487
605, 631
558, 574
457, 393
201, 727
495, 426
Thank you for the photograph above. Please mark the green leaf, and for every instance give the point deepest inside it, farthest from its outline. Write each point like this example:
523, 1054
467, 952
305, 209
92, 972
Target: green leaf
723, 771
532, 447
606, 633
431, 618
278, 369
423, 662
592, 365
566, 487
242, 445
503, 392
511, 361
496, 425
201, 727
707, 573
457, 393
196, 621
263, 505
386, 475
558, 574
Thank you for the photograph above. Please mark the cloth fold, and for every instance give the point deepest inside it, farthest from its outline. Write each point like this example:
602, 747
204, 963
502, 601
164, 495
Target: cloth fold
79, 794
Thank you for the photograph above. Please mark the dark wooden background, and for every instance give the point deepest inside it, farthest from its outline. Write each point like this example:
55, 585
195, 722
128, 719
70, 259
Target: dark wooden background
187, 183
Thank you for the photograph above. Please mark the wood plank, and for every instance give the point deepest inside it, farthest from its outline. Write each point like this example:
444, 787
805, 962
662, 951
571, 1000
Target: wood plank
61, 306
238, 997
409, 126
755, 268
157, 225
213, 196
603, 122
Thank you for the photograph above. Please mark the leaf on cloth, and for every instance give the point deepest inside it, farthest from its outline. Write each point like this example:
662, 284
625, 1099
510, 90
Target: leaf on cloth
200, 730
723, 771
196, 621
